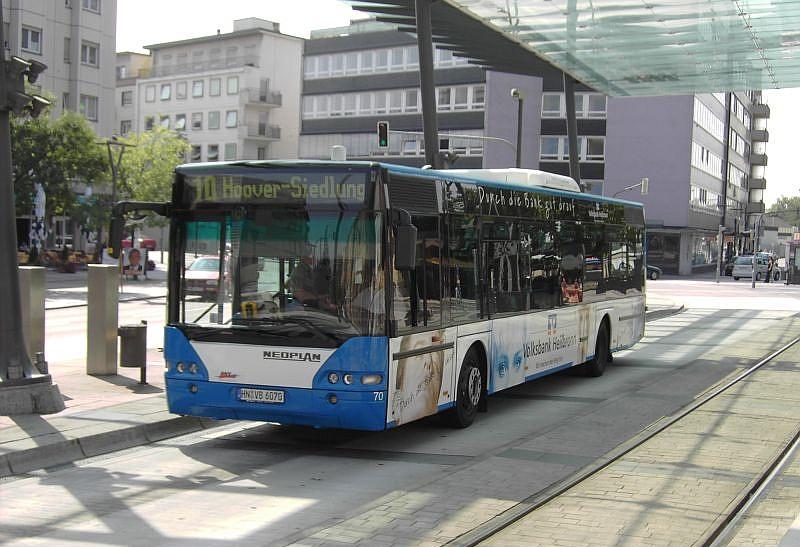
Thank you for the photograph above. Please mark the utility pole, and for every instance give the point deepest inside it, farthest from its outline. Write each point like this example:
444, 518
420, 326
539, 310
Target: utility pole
23, 390
517, 94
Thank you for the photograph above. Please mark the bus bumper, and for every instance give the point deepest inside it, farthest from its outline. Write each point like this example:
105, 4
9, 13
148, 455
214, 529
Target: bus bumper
364, 410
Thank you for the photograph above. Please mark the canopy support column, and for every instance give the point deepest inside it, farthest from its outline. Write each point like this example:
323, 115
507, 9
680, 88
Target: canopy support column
426, 84
572, 130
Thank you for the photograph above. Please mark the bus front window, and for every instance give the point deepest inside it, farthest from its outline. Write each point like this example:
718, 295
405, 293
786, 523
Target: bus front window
315, 268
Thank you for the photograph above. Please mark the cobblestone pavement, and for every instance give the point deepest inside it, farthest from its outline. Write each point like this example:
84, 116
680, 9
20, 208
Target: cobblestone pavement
675, 487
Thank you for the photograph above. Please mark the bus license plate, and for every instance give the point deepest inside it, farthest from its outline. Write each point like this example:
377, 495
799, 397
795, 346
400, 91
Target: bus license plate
260, 395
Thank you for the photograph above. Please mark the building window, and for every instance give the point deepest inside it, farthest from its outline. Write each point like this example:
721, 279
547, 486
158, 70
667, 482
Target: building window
122, 70
549, 149
587, 105
88, 107
149, 122
231, 118
163, 121
68, 47
150, 93
125, 127
261, 153
212, 152
214, 87
196, 153
595, 148
551, 105
230, 151
180, 122
90, 54
197, 121
64, 101
32, 40
166, 91
233, 85
197, 88
180, 90
556, 148
127, 98
213, 119
444, 97
91, 5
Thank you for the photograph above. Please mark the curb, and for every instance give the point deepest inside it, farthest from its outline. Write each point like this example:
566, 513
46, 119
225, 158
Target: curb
70, 450
661, 314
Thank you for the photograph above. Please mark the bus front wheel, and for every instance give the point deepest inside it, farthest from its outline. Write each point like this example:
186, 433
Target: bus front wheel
597, 366
470, 388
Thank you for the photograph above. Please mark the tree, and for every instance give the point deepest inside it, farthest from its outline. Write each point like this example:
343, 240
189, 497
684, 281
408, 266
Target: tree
56, 153
147, 168
788, 209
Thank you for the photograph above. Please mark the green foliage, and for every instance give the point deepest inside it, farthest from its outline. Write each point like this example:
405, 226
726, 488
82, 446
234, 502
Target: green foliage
55, 153
788, 209
147, 169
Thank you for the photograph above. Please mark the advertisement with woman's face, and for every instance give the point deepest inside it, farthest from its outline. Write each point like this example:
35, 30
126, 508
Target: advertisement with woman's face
418, 380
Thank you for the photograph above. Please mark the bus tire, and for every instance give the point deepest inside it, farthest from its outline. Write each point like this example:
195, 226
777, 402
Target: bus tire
597, 366
469, 391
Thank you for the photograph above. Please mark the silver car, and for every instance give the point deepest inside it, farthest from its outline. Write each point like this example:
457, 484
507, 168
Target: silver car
743, 267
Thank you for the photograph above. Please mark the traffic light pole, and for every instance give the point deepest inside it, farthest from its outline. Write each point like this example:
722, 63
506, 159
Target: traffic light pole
22, 389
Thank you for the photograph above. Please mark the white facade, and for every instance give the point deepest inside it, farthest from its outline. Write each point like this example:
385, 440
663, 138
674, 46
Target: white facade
76, 40
233, 96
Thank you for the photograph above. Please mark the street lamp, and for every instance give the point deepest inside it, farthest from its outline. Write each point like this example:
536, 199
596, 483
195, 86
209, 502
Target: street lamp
644, 184
517, 94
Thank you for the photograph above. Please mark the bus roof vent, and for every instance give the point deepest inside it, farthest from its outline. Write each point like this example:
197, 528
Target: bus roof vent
530, 177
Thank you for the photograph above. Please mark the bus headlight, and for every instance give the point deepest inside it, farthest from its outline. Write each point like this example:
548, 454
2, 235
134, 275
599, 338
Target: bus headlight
193, 368
333, 377
348, 379
180, 367
371, 379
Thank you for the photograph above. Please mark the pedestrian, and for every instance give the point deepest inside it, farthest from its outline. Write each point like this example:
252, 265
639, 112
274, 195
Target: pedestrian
770, 265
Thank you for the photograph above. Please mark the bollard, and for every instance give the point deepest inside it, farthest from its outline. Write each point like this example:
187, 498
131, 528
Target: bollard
101, 316
31, 290
133, 348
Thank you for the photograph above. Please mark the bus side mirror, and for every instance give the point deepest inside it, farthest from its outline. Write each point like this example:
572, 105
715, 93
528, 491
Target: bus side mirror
405, 249
115, 236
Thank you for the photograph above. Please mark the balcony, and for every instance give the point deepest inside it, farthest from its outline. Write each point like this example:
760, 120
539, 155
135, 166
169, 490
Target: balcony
263, 131
758, 184
202, 66
754, 207
758, 159
760, 111
760, 135
261, 97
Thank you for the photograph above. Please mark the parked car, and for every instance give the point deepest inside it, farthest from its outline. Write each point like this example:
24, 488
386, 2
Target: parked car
654, 272
202, 277
743, 267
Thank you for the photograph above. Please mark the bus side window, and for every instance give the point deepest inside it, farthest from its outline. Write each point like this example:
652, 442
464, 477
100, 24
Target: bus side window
418, 298
508, 263
463, 269
572, 261
544, 264
594, 260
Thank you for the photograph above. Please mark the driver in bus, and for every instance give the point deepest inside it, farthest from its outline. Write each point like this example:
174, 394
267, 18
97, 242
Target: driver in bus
309, 284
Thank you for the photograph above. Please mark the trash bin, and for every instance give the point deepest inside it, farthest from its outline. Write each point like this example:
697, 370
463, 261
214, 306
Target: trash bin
133, 347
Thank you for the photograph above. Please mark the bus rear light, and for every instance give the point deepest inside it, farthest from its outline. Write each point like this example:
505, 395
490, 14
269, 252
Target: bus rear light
192, 388
180, 367
371, 379
333, 377
348, 379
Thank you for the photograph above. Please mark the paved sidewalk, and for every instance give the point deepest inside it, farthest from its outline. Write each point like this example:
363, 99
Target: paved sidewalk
65, 290
108, 413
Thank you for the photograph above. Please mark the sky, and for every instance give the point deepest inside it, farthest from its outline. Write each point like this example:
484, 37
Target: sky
144, 22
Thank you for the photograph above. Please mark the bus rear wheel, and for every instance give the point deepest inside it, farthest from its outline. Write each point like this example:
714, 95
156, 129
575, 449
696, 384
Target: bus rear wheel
470, 388
597, 366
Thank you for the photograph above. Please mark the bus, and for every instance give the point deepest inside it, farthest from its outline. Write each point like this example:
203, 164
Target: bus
365, 295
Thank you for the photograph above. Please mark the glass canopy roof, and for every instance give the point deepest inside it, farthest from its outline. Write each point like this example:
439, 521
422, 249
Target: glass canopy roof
656, 47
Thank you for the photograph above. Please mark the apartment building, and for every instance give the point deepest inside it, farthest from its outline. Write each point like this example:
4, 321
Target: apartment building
233, 96
367, 72
129, 68
75, 39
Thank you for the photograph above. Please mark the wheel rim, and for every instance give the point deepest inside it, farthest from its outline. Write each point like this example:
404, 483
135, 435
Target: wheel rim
474, 386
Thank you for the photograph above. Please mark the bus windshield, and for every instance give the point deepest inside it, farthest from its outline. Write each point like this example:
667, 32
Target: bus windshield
287, 269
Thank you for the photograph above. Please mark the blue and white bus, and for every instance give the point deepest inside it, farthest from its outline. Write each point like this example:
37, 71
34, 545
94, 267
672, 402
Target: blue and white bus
366, 295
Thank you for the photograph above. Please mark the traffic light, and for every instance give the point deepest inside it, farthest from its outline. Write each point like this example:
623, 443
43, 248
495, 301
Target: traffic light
16, 71
383, 134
